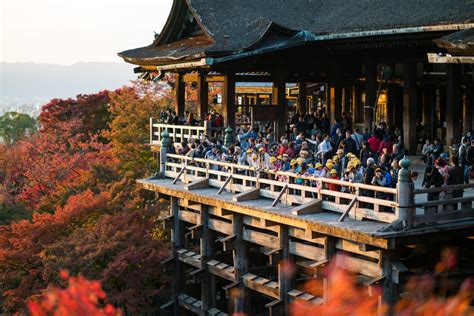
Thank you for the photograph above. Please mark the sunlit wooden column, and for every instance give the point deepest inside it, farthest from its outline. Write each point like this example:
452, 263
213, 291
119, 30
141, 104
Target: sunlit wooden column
409, 106
240, 262
453, 104
279, 99
208, 283
429, 110
203, 95
370, 92
302, 97
468, 108
391, 104
228, 101
177, 234
180, 94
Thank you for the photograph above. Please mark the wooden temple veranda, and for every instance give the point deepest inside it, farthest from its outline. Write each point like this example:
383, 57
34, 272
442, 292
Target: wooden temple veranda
233, 232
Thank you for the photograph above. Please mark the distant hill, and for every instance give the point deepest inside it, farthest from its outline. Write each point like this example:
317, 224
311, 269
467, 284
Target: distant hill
45, 81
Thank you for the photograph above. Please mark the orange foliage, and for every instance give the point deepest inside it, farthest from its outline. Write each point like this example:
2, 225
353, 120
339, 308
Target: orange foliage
81, 298
345, 297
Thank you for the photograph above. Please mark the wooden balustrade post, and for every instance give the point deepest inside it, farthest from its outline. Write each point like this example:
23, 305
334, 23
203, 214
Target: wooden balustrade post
405, 199
165, 142
208, 128
151, 130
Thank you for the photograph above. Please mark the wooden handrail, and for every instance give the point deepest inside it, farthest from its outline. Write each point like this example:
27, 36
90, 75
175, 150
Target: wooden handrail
454, 187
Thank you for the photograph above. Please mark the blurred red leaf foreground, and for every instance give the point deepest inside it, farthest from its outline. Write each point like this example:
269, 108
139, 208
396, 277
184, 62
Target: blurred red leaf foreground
82, 297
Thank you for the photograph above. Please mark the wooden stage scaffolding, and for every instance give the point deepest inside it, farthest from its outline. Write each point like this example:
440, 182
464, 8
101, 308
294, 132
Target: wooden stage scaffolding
234, 235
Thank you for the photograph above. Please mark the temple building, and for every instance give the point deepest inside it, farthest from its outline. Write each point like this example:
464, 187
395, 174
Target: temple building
407, 63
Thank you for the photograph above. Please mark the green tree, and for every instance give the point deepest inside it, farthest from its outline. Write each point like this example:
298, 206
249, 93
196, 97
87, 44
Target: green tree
15, 126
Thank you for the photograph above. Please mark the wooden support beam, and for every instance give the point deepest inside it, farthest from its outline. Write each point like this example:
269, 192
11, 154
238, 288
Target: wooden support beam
189, 303
308, 208
311, 234
240, 262
259, 238
409, 106
200, 184
203, 95
249, 195
224, 185
179, 175
453, 105
279, 98
302, 98
228, 243
228, 289
208, 283
365, 247
468, 108
195, 230
278, 198
370, 92
177, 243
429, 108
167, 306
348, 209
228, 100
267, 223
180, 94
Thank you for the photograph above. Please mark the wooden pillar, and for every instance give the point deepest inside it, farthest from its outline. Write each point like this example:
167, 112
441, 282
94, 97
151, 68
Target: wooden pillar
331, 103
228, 100
302, 97
409, 107
356, 105
370, 92
240, 262
453, 104
391, 105
177, 243
208, 283
180, 94
338, 94
346, 100
286, 278
390, 288
279, 99
468, 108
429, 111
203, 95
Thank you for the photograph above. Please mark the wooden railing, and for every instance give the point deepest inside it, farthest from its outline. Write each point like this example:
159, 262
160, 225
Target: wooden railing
180, 133
454, 203
361, 202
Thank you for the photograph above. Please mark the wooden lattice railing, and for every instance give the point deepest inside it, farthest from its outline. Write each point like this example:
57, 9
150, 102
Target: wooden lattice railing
369, 202
448, 207
180, 133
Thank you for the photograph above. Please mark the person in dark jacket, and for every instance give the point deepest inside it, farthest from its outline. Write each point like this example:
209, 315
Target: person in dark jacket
350, 145
455, 176
365, 153
433, 179
437, 148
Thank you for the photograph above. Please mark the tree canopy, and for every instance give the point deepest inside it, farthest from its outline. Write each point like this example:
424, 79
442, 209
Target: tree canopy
69, 201
16, 126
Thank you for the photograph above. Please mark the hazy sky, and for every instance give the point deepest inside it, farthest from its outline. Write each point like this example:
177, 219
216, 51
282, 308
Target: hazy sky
68, 31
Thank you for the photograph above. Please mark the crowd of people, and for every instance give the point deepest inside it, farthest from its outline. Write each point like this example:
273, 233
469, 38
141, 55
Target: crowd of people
338, 151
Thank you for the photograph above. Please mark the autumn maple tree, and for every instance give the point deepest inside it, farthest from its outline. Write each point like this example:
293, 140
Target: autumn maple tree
69, 200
